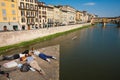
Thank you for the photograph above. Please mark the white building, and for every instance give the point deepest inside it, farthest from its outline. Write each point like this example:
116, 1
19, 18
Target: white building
68, 14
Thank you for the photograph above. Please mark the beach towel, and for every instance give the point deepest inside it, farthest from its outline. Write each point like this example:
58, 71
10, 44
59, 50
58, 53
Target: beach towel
10, 64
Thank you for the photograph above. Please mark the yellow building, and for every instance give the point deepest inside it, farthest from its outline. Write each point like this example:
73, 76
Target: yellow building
79, 16
8, 15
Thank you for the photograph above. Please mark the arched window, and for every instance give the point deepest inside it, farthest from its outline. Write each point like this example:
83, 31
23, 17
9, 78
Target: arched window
5, 28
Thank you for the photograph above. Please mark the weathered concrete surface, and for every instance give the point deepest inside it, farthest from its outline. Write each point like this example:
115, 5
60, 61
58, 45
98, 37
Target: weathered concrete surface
9, 38
51, 70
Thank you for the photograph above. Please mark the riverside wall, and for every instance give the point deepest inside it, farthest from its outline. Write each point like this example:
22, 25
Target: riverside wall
13, 37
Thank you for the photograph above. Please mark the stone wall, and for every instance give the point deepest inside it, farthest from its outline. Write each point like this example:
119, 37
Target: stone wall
9, 38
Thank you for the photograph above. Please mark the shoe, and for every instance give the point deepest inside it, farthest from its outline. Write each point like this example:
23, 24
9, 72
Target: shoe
54, 57
48, 60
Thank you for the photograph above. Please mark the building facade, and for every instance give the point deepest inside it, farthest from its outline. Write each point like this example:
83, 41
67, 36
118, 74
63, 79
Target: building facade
8, 15
79, 17
33, 14
28, 14
57, 16
50, 16
42, 14
85, 17
70, 14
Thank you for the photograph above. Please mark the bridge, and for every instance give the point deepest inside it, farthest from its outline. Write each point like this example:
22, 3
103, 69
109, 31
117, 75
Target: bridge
105, 20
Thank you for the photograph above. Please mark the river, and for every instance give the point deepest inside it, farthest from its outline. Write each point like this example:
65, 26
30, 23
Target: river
93, 55
88, 54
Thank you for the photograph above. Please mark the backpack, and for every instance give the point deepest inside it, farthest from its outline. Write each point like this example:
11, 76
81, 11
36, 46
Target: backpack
25, 67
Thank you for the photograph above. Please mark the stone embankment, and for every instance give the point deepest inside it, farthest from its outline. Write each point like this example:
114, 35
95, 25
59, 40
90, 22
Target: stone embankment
9, 38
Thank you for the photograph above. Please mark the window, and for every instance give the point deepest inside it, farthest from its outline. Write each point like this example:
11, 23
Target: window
4, 18
23, 27
30, 0
31, 6
28, 21
14, 18
39, 16
39, 12
5, 28
27, 0
23, 20
32, 13
36, 14
12, 0
3, 12
2, 4
22, 5
35, 1
36, 20
13, 5
28, 13
48, 20
32, 20
36, 7
22, 13
13, 12
27, 5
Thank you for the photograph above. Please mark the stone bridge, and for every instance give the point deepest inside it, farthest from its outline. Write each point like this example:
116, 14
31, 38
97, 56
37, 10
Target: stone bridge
105, 20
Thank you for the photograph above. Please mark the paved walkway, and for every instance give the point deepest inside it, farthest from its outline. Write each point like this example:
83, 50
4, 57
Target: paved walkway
51, 70
53, 30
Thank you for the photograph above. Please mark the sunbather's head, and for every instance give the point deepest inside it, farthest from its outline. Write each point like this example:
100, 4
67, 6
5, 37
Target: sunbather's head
30, 53
32, 49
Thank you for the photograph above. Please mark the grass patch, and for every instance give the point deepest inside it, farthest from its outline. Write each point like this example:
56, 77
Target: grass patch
41, 39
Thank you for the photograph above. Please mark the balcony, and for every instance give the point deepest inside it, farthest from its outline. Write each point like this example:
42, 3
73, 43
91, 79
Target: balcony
34, 9
44, 16
30, 23
41, 4
28, 8
30, 16
22, 7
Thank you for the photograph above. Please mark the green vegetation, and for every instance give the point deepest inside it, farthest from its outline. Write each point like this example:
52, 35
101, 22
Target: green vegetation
41, 39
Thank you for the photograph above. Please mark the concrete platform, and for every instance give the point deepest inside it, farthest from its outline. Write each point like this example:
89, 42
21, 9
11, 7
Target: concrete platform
51, 70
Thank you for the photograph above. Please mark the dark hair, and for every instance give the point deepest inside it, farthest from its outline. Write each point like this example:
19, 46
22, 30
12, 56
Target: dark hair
25, 52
